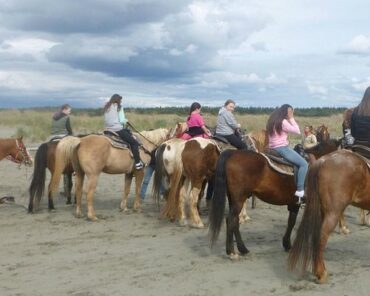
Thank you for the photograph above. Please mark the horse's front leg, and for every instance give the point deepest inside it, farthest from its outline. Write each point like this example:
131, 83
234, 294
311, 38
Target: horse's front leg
243, 216
181, 203
126, 192
293, 212
67, 180
139, 174
343, 228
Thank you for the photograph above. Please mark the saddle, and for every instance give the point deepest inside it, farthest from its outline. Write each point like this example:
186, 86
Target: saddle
363, 152
116, 141
277, 163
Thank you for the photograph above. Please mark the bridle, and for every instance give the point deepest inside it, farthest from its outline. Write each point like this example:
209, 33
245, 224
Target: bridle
22, 150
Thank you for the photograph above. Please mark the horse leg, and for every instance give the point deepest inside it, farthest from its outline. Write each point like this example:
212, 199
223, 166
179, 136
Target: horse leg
293, 212
181, 204
343, 228
139, 174
79, 189
126, 192
232, 228
91, 186
67, 178
243, 216
329, 223
254, 201
196, 222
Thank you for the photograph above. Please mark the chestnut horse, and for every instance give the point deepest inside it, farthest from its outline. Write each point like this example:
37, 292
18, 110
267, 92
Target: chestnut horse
15, 151
45, 159
95, 154
333, 182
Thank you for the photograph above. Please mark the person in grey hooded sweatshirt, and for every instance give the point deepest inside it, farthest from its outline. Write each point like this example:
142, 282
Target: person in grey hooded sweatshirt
227, 125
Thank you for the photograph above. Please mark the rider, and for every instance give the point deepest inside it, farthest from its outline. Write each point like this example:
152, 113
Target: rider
280, 123
61, 124
115, 120
309, 139
360, 121
196, 125
228, 127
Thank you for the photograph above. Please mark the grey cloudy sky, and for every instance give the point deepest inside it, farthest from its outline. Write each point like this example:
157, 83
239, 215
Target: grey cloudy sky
174, 52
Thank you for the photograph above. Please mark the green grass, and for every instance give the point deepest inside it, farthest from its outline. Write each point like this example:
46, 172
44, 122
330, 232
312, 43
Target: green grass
35, 125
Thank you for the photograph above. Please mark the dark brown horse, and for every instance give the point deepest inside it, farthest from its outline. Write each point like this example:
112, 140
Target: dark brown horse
45, 159
333, 182
322, 133
240, 174
15, 151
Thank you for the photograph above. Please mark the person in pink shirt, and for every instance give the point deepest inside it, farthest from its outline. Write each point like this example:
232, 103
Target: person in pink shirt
196, 125
280, 123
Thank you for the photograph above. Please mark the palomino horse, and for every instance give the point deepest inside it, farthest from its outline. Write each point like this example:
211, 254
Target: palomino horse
187, 165
95, 154
45, 158
240, 174
333, 182
15, 151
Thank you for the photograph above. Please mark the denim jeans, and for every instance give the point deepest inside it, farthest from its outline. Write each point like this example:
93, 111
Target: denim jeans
293, 157
149, 170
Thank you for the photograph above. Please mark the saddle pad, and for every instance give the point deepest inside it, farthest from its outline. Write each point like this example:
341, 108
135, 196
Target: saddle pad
279, 166
361, 150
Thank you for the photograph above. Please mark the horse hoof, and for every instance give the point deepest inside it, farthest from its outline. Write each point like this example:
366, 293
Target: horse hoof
322, 279
233, 256
197, 226
52, 210
183, 223
93, 219
345, 230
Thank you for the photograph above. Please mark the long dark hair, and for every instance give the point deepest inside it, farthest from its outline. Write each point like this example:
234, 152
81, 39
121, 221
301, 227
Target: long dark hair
275, 121
115, 99
193, 107
363, 108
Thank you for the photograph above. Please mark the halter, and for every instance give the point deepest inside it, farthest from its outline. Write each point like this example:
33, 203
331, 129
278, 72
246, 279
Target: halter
21, 149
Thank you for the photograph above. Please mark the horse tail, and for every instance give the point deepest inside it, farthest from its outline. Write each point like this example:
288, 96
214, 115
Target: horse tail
63, 156
219, 197
306, 245
159, 172
37, 186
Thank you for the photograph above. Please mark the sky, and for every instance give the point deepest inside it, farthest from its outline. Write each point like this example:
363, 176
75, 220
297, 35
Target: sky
260, 53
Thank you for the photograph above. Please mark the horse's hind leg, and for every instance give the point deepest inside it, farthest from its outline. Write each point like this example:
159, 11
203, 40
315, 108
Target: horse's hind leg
343, 228
329, 223
293, 212
233, 225
67, 178
50, 201
139, 175
79, 188
91, 186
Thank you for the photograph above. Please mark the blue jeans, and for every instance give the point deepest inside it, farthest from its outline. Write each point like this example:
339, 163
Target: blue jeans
293, 157
148, 175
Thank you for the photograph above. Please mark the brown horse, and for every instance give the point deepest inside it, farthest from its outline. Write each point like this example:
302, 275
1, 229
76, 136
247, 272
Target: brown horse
15, 151
45, 159
322, 133
333, 182
240, 174
95, 154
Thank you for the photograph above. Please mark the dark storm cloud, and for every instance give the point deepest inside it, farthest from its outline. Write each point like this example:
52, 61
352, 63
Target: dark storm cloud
84, 16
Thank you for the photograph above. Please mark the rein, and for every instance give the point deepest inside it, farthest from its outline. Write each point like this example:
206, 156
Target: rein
155, 145
21, 149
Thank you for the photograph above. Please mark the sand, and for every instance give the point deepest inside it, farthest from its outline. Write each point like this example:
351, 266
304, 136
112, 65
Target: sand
139, 254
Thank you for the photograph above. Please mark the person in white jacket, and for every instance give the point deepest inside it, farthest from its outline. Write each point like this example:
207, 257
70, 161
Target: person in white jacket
115, 121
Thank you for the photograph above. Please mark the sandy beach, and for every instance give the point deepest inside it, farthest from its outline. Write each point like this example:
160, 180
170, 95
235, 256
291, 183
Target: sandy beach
140, 254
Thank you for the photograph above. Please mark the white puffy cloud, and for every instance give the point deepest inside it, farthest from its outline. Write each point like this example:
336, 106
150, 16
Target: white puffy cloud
359, 45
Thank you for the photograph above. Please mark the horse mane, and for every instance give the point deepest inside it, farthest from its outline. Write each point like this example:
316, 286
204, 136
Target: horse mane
156, 136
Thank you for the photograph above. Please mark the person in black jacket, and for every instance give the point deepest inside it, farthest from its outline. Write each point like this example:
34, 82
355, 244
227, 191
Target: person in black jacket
360, 121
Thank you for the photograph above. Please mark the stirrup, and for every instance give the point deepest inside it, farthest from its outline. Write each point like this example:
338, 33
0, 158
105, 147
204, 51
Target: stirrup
139, 165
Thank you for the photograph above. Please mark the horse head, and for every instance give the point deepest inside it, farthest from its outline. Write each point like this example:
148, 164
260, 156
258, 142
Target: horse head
19, 153
322, 133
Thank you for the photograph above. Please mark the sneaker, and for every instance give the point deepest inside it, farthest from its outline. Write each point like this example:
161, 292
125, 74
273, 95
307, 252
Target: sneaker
139, 165
299, 193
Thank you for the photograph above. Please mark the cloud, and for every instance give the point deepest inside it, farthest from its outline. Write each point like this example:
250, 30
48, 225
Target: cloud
359, 45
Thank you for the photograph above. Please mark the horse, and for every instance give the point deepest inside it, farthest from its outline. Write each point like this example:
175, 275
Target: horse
14, 150
45, 159
240, 174
95, 154
333, 182
322, 133
188, 166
